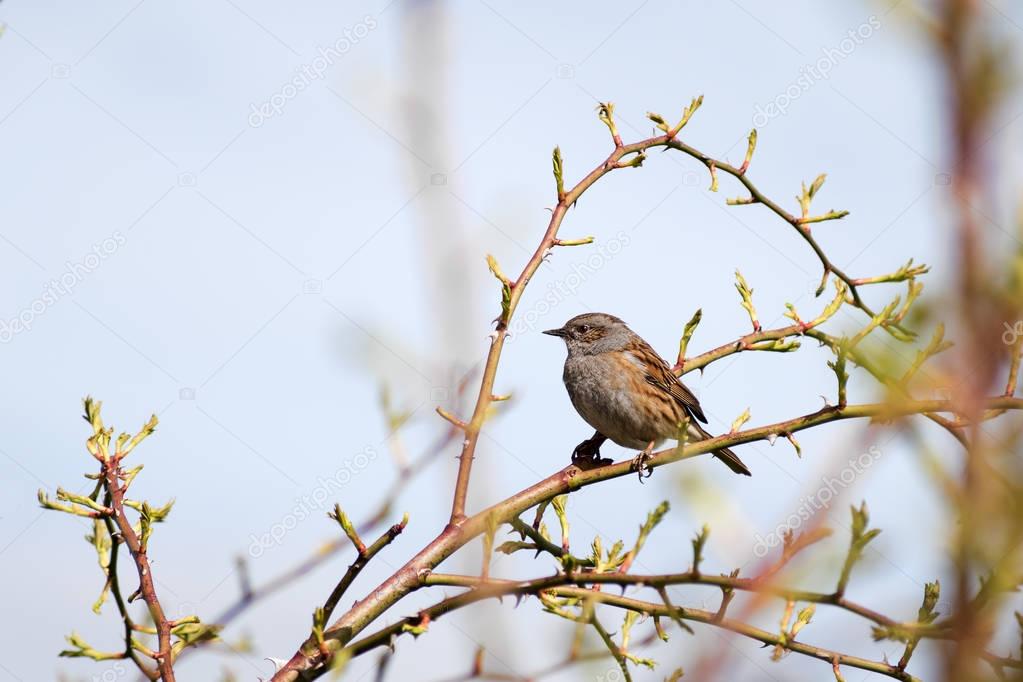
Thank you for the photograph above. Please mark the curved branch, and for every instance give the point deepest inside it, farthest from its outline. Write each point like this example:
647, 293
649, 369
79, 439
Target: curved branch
515, 288
309, 659
413, 574
748, 343
497, 589
695, 578
799, 224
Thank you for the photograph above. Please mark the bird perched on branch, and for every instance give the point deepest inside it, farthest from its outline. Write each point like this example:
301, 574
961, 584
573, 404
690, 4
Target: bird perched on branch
627, 392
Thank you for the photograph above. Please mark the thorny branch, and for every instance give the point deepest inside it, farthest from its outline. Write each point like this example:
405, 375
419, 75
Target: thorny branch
574, 592
337, 641
112, 528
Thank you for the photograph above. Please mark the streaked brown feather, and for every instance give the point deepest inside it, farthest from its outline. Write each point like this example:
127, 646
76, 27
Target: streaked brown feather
659, 375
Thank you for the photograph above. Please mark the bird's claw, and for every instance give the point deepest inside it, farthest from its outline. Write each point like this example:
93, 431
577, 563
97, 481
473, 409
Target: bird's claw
641, 467
587, 454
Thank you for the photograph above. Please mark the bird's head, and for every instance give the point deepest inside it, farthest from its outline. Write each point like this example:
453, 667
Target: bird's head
593, 333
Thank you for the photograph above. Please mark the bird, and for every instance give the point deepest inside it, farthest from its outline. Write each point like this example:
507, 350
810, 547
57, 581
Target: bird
622, 388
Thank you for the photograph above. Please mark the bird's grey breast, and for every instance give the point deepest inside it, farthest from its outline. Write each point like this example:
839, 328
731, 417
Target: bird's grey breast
601, 393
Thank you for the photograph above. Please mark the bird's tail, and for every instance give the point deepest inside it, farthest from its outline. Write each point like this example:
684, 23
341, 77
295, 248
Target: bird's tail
730, 459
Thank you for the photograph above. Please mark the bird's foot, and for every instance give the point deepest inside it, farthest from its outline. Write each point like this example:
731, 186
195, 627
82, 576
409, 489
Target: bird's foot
640, 463
587, 454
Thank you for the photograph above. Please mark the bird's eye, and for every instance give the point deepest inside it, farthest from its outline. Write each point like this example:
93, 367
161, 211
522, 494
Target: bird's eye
583, 328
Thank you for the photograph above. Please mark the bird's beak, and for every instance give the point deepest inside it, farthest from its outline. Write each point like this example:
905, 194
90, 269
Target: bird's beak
556, 332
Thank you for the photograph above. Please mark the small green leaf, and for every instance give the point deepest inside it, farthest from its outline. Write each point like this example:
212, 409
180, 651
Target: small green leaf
559, 177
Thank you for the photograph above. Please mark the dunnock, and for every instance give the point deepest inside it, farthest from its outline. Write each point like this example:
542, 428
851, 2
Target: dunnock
624, 390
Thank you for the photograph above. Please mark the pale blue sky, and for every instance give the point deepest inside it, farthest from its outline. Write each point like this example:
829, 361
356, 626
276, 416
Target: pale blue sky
263, 276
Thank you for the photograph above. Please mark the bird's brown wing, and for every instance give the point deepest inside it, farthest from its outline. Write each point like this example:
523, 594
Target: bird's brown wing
659, 375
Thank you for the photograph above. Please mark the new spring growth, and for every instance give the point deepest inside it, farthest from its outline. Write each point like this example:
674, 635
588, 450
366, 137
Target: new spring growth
190, 632
560, 503
512, 546
858, 542
751, 145
418, 628
559, 178
606, 112
907, 271
776, 345
936, 345
740, 201
727, 595
803, 619
807, 195
658, 121
836, 302
125, 444
633, 162
573, 242
613, 558
925, 615
98, 444
659, 629
746, 293
147, 517
92, 413
739, 421
713, 176
795, 444
630, 620
156, 514
687, 334
891, 320
783, 632
877, 321
824, 282
506, 285
100, 540
647, 527
348, 527
92, 508
81, 649
699, 542
129, 475
827, 313
687, 114
914, 289
838, 367
455, 421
